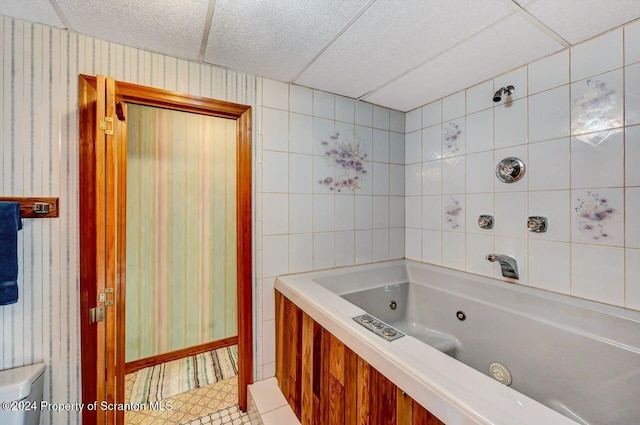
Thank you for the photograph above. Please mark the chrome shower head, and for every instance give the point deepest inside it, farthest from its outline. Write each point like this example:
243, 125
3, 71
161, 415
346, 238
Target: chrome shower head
507, 91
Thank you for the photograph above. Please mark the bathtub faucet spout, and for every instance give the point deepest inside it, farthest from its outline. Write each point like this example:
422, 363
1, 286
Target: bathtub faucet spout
508, 264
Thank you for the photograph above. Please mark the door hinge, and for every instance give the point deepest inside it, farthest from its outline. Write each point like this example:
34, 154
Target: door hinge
103, 297
107, 125
96, 314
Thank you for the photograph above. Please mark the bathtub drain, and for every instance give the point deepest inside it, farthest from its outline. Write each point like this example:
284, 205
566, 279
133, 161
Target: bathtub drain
500, 373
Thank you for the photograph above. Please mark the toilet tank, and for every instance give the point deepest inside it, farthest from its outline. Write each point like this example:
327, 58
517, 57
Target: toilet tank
22, 388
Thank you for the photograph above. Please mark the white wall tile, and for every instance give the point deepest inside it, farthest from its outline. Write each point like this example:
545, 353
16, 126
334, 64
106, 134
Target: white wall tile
323, 105
597, 103
380, 212
598, 216
478, 247
300, 252
510, 122
396, 212
479, 131
275, 129
275, 215
511, 212
413, 120
396, 243
480, 97
275, 171
344, 249
323, 175
632, 153
323, 250
396, 180
363, 211
380, 117
345, 212
301, 100
431, 246
597, 159
268, 299
480, 172
556, 207
551, 265
300, 213
364, 113
364, 246
477, 205
380, 146
380, 241
268, 341
432, 212
345, 109
453, 106
453, 175
323, 130
300, 173
548, 166
549, 114
413, 179
453, 213
432, 143
396, 148
275, 251
632, 43
632, 217
453, 138
632, 94
413, 147
549, 72
380, 179
632, 288
396, 121
323, 213
275, 94
413, 211
431, 178
413, 244
432, 114
598, 55
597, 273
300, 133
454, 250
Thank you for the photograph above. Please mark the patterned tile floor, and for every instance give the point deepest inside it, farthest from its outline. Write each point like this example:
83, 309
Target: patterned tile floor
213, 404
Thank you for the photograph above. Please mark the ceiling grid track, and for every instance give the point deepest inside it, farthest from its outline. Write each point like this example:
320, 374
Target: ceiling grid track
207, 28
535, 21
63, 18
335, 37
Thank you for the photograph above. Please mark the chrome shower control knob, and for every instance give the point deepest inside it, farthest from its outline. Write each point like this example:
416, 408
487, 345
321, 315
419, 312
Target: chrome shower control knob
510, 170
485, 222
537, 224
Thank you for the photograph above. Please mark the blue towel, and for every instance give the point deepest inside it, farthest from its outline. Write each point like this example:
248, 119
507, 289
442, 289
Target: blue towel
10, 223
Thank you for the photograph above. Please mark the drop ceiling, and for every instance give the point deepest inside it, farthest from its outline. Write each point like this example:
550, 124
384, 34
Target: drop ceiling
395, 53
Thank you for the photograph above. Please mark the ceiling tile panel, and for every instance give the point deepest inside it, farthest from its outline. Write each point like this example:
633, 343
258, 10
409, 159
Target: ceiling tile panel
172, 27
39, 11
275, 39
393, 37
578, 20
508, 44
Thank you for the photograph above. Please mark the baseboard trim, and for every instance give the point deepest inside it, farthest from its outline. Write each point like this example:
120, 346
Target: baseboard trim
178, 354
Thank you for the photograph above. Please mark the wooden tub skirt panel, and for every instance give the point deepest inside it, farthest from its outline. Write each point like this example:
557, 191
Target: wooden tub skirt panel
327, 383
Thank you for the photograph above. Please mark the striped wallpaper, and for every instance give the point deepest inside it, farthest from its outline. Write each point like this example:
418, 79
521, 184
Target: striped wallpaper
39, 157
181, 230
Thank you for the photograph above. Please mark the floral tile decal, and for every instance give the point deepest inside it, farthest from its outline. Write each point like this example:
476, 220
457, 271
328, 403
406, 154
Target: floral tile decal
452, 139
596, 217
597, 103
453, 218
348, 158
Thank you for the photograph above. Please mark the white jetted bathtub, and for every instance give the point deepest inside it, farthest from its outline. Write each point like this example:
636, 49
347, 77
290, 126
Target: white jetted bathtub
459, 338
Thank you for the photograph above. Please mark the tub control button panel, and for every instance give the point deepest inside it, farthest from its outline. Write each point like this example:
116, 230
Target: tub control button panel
378, 327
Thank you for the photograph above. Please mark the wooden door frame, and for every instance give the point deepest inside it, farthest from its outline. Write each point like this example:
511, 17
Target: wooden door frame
134, 93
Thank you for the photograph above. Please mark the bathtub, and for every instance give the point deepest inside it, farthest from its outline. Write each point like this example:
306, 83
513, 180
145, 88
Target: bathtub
570, 361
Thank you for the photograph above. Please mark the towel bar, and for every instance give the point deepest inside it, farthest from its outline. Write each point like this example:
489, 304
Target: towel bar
36, 207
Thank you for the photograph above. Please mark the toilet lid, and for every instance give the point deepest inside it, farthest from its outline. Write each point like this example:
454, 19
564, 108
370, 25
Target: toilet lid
15, 384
